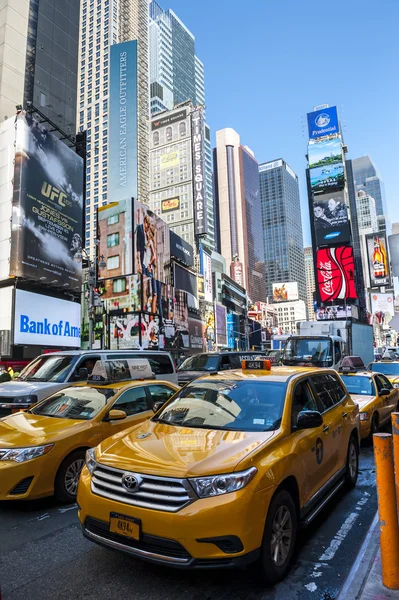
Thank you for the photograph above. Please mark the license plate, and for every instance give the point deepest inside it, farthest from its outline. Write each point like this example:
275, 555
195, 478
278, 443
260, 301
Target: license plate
124, 525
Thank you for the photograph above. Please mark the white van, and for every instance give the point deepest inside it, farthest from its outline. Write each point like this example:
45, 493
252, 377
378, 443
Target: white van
49, 373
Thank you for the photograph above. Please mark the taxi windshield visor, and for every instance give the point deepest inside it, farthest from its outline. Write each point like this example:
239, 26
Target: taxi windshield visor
82, 403
358, 384
229, 405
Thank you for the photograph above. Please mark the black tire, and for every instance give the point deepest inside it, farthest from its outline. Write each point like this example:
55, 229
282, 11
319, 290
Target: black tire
352, 463
64, 488
270, 570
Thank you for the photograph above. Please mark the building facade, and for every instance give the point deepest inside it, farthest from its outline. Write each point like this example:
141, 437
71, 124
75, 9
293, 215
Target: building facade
366, 211
289, 314
367, 178
310, 282
39, 59
238, 212
282, 226
103, 24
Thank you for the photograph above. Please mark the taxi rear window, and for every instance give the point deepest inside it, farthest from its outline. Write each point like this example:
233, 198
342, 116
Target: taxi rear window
358, 384
228, 405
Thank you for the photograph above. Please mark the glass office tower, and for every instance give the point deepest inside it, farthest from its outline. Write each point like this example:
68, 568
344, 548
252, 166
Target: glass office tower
367, 178
282, 226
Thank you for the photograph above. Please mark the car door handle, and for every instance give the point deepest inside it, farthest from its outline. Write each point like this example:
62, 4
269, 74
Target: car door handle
344, 415
325, 429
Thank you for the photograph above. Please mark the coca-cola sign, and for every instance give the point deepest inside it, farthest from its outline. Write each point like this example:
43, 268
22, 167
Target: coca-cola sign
336, 274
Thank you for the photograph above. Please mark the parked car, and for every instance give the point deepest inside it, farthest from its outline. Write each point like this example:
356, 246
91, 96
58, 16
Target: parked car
199, 364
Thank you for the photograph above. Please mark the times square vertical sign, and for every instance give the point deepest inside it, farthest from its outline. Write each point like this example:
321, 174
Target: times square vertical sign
199, 192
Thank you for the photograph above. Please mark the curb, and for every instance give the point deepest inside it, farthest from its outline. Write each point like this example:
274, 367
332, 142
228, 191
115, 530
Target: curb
356, 579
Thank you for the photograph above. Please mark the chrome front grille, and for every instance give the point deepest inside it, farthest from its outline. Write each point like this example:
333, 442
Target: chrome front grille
157, 493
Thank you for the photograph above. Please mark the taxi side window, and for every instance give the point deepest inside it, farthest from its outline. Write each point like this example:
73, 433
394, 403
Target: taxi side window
329, 391
337, 351
379, 383
132, 401
235, 361
302, 399
225, 363
87, 363
387, 384
382, 382
160, 393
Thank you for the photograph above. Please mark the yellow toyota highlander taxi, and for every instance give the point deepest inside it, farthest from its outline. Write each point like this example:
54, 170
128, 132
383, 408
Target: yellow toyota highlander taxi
225, 471
375, 396
42, 451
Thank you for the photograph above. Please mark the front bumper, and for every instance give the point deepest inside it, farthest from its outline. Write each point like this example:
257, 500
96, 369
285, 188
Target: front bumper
187, 538
26, 481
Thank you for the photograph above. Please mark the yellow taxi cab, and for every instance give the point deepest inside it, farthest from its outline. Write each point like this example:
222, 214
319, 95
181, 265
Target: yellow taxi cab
224, 473
389, 368
42, 451
375, 396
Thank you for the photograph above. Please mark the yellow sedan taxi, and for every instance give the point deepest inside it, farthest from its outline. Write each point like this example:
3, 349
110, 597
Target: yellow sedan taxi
375, 396
389, 368
224, 473
42, 451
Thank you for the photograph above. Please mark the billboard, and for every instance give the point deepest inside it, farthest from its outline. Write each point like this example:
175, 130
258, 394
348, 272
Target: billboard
331, 219
200, 208
336, 273
170, 204
124, 331
377, 256
221, 325
382, 308
326, 166
46, 321
47, 209
323, 122
114, 231
283, 292
151, 244
122, 145
169, 160
333, 313
170, 119
181, 250
206, 270
186, 281
237, 272
394, 253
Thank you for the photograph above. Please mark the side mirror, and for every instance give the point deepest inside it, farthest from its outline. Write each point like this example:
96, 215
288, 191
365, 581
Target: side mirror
158, 405
384, 392
116, 415
83, 373
309, 419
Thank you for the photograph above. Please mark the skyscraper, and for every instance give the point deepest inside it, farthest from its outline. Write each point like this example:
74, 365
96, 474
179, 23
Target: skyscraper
239, 214
282, 226
176, 77
39, 59
367, 178
103, 24
310, 282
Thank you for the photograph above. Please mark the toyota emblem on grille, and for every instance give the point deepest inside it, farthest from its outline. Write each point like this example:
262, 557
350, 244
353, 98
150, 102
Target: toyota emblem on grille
131, 483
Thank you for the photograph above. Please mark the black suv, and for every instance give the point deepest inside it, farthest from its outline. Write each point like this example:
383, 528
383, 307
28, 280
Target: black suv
200, 364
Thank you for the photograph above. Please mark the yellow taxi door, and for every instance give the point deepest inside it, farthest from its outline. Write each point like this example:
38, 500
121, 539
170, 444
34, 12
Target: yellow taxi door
135, 403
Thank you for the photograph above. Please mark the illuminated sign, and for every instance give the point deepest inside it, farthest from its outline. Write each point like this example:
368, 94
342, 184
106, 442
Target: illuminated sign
336, 273
170, 204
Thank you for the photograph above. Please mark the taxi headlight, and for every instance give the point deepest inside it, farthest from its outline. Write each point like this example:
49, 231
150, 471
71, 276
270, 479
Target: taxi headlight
31, 399
24, 454
91, 462
364, 416
222, 484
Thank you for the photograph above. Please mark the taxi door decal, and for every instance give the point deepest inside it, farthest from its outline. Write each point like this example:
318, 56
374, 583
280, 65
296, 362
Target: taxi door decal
318, 449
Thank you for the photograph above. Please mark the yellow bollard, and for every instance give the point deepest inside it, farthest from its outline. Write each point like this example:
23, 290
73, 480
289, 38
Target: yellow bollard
395, 432
389, 530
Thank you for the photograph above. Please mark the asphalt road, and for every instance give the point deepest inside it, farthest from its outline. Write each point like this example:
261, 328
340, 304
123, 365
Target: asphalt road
43, 556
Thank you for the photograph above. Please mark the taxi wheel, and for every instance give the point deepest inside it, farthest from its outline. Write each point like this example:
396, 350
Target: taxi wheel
66, 481
352, 463
279, 538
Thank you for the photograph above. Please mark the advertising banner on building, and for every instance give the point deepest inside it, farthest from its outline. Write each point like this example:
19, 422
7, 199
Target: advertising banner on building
326, 166
237, 272
170, 204
46, 321
200, 208
284, 292
323, 122
115, 235
122, 145
393, 241
382, 308
169, 160
47, 214
169, 120
151, 244
333, 313
197, 335
378, 259
330, 219
181, 250
186, 281
221, 325
206, 270
125, 331
336, 274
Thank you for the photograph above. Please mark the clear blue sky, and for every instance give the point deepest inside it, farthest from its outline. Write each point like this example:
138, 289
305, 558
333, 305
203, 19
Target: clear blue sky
268, 63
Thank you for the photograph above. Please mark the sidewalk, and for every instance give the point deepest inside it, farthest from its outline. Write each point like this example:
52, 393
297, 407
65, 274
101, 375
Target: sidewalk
364, 581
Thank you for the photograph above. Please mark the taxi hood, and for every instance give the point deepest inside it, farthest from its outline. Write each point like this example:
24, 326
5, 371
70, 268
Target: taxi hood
361, 400
172, 451
24, 429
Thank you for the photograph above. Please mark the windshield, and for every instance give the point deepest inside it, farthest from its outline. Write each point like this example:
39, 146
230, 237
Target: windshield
82, 403
311, 351
201, 362
358, 384
229, 405
47, 368
385, 368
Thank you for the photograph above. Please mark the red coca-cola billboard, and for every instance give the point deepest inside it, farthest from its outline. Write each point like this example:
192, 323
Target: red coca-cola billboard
336, 274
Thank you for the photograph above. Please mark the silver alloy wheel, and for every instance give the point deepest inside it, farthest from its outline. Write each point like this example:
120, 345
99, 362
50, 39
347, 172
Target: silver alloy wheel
72, 476
281, 535
352, 460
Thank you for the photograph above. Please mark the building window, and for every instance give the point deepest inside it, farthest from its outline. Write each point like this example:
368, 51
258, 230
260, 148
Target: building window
113, 219
169, 134
113, 262
119, 285
182, 129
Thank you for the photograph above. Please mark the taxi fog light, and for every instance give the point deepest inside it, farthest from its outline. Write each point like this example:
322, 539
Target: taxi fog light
364, 416
91, 462
216, 485
24, 454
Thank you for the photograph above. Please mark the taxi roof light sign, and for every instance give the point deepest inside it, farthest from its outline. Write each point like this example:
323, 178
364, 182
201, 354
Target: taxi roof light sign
112, 371
256, 366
